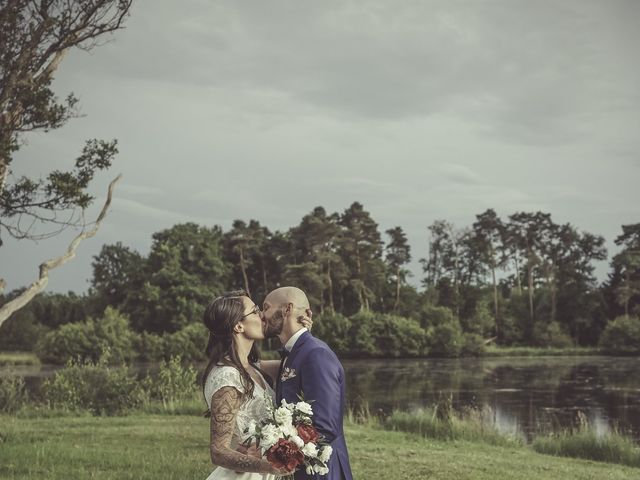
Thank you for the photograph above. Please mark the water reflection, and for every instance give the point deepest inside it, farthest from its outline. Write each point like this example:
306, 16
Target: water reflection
527, 395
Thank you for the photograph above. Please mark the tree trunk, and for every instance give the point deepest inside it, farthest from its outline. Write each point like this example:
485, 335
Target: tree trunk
264, 275
330, 286
530, 290
518, 275
39, 285
552, 288
495, 298
244, 273
395, 306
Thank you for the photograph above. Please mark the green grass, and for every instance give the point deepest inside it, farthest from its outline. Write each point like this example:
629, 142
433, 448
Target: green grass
585, 443
18, 358
493, 351
472, 426
175, 447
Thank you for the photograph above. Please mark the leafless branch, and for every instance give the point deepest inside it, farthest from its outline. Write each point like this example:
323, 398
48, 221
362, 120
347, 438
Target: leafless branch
39, 285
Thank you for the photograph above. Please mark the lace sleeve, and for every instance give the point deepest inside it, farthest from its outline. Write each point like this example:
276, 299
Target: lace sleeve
222, 377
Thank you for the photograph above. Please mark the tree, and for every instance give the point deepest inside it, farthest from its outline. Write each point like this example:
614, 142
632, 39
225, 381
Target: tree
398, 254
117, 270
489, 235
184, 270
361, 250
35, 36
625, 279
528, 233
444, 262
316, 241
241, 244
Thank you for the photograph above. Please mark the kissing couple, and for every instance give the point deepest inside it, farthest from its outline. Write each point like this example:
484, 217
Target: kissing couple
241, 391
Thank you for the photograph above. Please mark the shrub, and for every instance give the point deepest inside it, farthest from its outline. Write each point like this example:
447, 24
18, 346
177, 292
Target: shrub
472, 345
97, 387
361, 339
189, 343
445, 340
398, 336
13, 394
150, 347
432, 316
172, 384
333, 328
88, 340
21, 332
622, 335
551, 335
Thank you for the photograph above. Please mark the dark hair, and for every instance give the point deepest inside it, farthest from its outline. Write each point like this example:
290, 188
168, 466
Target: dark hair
220, 317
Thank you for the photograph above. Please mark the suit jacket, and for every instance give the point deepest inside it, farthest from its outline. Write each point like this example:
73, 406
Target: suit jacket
314, 371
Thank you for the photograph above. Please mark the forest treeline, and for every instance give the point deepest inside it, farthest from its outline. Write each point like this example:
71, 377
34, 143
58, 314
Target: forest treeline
520, 280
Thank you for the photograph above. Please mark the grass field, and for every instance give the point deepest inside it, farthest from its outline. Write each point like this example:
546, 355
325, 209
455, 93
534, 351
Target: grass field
175, 447
493, 351
18, 358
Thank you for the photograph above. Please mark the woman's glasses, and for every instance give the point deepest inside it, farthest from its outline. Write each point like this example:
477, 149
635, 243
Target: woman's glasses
256, 310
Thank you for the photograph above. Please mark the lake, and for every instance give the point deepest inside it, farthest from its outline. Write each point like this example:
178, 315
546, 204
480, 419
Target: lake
526, 395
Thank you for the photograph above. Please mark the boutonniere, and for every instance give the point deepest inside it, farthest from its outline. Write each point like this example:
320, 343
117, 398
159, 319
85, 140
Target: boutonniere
287, 374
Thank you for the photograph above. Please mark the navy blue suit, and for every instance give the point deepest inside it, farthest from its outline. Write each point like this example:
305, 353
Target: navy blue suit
314, 371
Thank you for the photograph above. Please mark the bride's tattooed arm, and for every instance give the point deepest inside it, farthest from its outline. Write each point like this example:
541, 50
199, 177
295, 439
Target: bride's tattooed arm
225, 404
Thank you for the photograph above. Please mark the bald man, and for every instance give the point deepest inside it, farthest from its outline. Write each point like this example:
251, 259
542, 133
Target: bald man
309, 368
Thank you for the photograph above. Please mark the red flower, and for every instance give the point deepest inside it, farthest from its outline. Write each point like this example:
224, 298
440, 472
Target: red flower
285, 454
307, 433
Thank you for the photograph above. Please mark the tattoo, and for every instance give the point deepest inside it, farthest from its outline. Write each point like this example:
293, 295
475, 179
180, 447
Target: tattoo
225, 404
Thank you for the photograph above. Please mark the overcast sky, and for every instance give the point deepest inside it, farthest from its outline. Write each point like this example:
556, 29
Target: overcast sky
420, 110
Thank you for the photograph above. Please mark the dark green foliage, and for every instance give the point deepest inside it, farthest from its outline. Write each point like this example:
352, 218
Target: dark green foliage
622, 336
90, 340
545, 295
551, 335
333, 328
445, 340
188, 343
94, 386
172, 384
472, 345
13, 394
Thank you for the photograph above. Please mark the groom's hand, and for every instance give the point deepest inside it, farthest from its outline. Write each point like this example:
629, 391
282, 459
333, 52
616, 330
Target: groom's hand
306, 320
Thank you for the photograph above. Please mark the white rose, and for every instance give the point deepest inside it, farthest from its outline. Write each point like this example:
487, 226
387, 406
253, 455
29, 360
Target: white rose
325, 453
288, 430
288, 406
323, 470
270, 435
297, 440
304, 407
310, 450
283, 416
309, 470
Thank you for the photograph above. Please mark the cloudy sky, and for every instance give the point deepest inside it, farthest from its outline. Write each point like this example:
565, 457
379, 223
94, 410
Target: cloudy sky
420, 110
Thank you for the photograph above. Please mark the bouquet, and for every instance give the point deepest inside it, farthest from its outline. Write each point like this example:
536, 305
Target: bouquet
288, 439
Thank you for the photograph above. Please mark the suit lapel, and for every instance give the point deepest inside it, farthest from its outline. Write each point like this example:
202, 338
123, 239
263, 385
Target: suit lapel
290, 362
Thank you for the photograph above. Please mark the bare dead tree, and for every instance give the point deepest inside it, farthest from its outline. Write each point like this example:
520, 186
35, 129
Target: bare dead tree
35, 35
39, 285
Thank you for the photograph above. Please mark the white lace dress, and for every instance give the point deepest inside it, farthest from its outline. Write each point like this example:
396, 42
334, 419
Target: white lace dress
254, 409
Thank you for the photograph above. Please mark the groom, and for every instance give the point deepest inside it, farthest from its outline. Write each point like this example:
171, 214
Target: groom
311, 369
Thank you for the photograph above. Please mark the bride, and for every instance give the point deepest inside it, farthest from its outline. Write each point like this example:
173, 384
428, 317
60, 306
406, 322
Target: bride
236, 387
